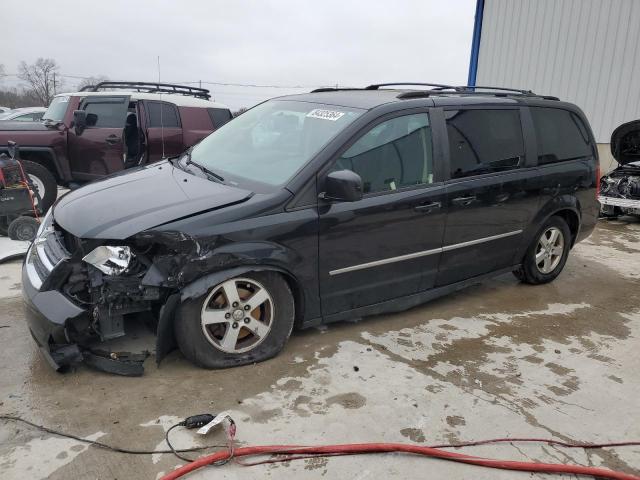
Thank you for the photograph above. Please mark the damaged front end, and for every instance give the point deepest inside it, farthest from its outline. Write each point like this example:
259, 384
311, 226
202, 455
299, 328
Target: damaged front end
620, 189
78, 293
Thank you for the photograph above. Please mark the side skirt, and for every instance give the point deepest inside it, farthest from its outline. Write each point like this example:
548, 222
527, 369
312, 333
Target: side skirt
404, 303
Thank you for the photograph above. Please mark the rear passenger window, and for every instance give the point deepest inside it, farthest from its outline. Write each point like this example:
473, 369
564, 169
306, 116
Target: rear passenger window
560, 135
219, 116
484, 141
392, 155
163, 115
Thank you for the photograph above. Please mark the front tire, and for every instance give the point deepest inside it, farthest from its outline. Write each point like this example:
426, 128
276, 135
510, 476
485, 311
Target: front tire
547, 255
242, 320
44, 182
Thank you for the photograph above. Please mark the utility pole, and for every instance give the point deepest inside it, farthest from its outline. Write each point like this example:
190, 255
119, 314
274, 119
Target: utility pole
200, 83
54, 83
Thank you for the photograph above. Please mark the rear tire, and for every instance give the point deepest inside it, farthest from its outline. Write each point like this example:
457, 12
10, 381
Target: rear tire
216, 330
547, 255
42, 178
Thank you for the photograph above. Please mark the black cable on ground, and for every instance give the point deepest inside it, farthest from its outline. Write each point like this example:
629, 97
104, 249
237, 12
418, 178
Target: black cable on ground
113, 448
173, 450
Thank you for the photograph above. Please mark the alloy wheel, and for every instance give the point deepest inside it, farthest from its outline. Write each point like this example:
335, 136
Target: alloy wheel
549, 250
237, 315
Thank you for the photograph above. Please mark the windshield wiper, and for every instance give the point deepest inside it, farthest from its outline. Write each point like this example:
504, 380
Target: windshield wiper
203, 169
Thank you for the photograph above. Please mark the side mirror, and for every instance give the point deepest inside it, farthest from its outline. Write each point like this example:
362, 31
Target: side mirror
342, 186
79, 121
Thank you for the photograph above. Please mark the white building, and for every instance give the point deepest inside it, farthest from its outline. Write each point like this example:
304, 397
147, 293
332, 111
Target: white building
583, 51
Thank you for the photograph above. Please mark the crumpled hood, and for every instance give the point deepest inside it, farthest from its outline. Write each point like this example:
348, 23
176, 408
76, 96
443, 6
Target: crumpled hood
625, 142
8, 125
130, 202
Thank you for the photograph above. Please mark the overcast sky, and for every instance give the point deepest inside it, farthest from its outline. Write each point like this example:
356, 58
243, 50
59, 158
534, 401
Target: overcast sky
286, 43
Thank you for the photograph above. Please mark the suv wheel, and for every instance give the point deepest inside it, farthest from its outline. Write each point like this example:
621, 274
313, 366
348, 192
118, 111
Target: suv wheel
548, 253
44, 182
242, 320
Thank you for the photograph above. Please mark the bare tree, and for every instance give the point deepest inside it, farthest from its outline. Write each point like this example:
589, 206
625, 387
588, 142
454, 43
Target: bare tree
42, 77
92, 81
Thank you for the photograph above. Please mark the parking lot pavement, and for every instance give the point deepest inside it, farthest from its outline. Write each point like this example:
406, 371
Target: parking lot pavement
496, 360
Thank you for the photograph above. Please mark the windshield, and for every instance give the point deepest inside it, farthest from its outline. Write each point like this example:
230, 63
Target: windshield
57, 109
271, 142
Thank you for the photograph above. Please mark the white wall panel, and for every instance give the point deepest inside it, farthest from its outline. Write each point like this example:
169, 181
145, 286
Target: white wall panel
584, 51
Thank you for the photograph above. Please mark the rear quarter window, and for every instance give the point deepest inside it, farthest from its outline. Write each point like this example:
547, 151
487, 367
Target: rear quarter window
560, 135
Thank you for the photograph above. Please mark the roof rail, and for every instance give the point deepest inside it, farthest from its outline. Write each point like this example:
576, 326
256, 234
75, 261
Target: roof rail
471, 90
150, 87
333, 89
376, 86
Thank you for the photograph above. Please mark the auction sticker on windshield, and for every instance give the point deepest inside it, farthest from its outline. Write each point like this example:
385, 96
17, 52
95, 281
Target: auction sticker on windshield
325, 114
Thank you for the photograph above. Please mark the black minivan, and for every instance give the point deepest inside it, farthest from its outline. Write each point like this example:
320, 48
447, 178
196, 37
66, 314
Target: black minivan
314, 208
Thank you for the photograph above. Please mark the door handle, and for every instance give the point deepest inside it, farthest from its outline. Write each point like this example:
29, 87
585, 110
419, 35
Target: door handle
464, 201
112, 139
428, 207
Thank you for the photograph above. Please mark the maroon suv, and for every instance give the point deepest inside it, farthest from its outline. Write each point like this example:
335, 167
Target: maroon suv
110, 127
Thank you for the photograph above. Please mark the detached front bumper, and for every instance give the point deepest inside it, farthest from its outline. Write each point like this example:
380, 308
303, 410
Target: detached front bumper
47, 313
625, 204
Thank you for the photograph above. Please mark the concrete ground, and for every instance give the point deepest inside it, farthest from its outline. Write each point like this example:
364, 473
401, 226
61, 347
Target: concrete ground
496, 360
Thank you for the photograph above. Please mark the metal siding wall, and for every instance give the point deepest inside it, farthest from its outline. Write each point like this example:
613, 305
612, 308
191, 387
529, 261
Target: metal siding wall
584, 51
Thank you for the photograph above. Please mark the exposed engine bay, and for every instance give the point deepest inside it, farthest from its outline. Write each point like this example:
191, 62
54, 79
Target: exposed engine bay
620, 189
108, 281
619, 185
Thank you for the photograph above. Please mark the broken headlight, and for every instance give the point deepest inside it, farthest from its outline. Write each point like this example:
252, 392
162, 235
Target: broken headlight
109, 259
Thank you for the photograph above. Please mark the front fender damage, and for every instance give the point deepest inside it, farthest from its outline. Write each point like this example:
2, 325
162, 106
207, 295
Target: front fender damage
189, 266
167, 268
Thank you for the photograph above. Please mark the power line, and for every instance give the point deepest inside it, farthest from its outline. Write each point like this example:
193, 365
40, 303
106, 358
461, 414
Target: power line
203, 82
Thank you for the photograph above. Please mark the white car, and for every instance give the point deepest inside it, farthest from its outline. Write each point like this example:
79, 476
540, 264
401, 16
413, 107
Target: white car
4, 110
29, 114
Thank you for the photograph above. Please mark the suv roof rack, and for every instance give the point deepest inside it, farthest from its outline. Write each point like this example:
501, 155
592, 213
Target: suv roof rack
150, 87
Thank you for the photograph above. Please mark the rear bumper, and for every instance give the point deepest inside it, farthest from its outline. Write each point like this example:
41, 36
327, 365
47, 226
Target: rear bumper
47, 314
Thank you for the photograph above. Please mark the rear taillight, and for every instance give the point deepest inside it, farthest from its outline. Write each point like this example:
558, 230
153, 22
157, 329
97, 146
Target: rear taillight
598, 181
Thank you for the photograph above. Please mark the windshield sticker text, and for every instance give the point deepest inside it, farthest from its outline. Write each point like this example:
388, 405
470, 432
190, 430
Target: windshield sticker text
325, 114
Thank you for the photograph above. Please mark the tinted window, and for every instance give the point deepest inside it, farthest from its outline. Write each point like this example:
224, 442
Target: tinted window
163, 115
109, 114
394, 154
560, 135
484, 141
219, 116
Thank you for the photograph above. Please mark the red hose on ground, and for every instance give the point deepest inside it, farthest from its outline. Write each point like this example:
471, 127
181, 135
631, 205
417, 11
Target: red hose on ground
362, 448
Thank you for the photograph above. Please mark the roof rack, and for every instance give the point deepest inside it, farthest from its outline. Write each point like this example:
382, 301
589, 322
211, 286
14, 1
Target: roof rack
150, 87
441, 89
376, 86
473, 90
333, 89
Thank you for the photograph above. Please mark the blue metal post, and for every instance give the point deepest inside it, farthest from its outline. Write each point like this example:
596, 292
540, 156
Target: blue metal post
475, 43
